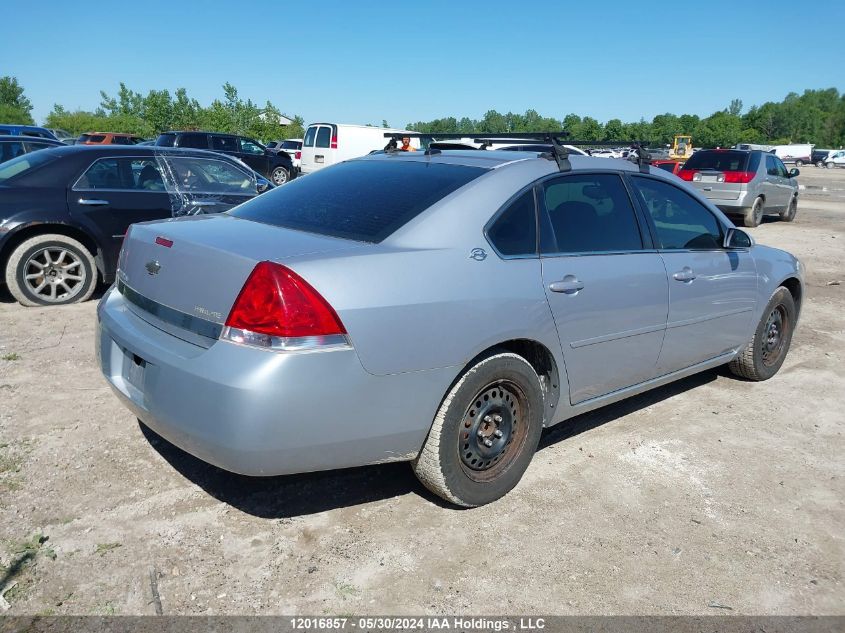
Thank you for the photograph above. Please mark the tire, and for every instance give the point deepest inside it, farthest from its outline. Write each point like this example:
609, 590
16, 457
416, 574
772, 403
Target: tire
754, 215
819, 163
788, 215
763, 356
280, 176
830, 165
59, 283
799, 163
498, 401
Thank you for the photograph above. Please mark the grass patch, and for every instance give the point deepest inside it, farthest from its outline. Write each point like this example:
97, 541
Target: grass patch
11, 356
102, 548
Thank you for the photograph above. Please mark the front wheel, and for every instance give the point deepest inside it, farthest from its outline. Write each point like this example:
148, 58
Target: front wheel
754, 216
762, 357
799, 163
819, 163
788, 215
485, 432
830, 165
280, 176
51, 269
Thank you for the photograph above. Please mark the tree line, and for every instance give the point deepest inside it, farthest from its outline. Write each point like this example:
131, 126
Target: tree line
816, 116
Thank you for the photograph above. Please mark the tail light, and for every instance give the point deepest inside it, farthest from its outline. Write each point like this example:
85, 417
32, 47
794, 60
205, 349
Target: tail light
278, 309
743, 177
687, 174
298, 155
334, 141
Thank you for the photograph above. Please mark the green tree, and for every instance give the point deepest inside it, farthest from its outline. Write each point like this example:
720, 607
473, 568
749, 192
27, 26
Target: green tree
15, 107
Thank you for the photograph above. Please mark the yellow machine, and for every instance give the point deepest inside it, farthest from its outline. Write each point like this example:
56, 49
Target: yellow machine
681, 148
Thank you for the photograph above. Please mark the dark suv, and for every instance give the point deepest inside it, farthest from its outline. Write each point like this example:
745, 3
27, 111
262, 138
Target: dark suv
276, 167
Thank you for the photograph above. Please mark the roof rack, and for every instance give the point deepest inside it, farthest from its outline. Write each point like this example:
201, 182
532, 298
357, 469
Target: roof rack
557, 139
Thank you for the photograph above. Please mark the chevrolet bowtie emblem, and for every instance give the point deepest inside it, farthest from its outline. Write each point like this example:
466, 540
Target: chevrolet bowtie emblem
152, 267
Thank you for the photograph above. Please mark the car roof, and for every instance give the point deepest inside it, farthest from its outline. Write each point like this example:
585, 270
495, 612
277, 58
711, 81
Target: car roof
136, 150
27, 137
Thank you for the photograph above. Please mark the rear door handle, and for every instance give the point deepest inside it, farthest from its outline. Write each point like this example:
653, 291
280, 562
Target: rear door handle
685, 274
568, 285
89, 202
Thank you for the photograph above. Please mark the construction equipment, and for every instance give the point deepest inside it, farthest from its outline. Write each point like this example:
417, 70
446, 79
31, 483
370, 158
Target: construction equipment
681, 148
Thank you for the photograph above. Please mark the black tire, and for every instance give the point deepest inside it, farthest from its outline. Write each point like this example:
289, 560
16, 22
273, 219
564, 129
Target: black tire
499, 400
830, 165
799, 163
819, 163
70, 280
280, 176
788, 215
763, 356
753, 216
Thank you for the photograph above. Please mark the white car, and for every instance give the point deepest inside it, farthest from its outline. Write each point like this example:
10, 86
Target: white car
835, 159
293, 148
605, 153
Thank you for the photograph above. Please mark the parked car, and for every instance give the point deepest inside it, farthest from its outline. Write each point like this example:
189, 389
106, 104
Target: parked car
819, 156
835, 159
329, 143
64, 211
108, 138
276, 167
293, 148
14, 146
64, 136
750, 183
26, 130
405, 306
672, 166
798, 153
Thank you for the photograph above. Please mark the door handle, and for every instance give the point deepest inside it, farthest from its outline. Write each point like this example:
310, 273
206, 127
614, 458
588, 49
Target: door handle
568, 285
89, 202
685, 274
204, 203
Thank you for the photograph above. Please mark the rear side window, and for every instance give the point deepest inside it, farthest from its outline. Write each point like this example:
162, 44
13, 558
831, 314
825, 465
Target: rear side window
166, 140
196, 141
310, 136
589, 213
718, 160
363, 200
8, 151
25, 164
224, 143
682, 222
107, 173
91, 138
515, 230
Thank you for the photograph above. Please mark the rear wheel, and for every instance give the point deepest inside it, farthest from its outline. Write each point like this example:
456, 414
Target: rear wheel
763, 356
280, 176
799, 163
754, 216
788, 215
819, 163
485, 432
51, 269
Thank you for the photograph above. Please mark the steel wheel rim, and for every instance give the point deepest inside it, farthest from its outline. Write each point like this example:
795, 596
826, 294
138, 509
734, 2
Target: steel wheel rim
493, 430
54, 274
280, 176
774, 335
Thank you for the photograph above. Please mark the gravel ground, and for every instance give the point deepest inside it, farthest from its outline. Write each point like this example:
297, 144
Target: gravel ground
709, 493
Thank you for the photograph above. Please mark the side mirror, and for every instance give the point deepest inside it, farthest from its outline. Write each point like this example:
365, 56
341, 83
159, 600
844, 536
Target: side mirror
736, 238
793, 172
261, 184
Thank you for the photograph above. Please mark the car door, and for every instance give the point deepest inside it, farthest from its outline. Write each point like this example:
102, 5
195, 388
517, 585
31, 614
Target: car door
775, 190
206, 185
114, 193
254, 155
787, 184
712, 290
605, 283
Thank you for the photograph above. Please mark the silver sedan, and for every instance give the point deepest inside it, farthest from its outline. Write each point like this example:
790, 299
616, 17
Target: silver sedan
440, 308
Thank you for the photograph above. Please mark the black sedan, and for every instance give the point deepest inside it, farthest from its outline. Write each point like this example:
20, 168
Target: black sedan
64, 211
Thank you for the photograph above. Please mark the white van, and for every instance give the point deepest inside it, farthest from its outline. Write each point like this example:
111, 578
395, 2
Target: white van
329, 143
798, 153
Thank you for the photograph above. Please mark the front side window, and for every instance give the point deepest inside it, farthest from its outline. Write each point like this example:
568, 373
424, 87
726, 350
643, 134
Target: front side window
781, 168
324, 136
771, 166
249, 146
514, 232
682, 222
204, 175
588, 213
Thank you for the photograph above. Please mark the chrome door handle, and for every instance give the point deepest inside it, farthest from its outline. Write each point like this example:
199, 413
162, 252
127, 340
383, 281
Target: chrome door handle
567, 285
204, 203
88, 202
684, 274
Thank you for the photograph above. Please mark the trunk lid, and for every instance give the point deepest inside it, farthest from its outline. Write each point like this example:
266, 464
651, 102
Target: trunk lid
197, 266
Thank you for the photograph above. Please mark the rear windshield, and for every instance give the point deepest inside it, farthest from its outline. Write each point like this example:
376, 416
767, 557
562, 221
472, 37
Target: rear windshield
667, 166
363, 200
91, 138
24, 164
291, 145
718, 160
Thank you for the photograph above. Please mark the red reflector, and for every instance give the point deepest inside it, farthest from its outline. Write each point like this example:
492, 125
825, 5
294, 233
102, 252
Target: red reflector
163, 241
298, 155
739, 176
687, 174
278, 302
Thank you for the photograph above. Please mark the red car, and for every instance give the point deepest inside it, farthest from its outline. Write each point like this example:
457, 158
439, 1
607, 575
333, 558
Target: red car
671, 166
108, 138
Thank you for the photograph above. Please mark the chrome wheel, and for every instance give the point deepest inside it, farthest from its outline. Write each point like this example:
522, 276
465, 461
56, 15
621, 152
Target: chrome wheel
774, 335
54, 274
280, 176
493, 431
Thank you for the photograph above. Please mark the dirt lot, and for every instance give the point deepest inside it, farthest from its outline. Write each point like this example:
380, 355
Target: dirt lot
709, 493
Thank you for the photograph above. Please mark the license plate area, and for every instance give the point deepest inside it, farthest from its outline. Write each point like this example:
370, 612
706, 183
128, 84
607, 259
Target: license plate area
134, 369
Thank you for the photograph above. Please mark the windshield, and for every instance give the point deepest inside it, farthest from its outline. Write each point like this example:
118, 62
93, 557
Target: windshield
25, 164
718, 160
362, 200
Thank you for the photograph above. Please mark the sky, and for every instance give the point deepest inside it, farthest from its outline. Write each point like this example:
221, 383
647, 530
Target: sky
405, 61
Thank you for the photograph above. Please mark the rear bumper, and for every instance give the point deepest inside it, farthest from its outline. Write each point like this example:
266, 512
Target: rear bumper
744, 201
259, 412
